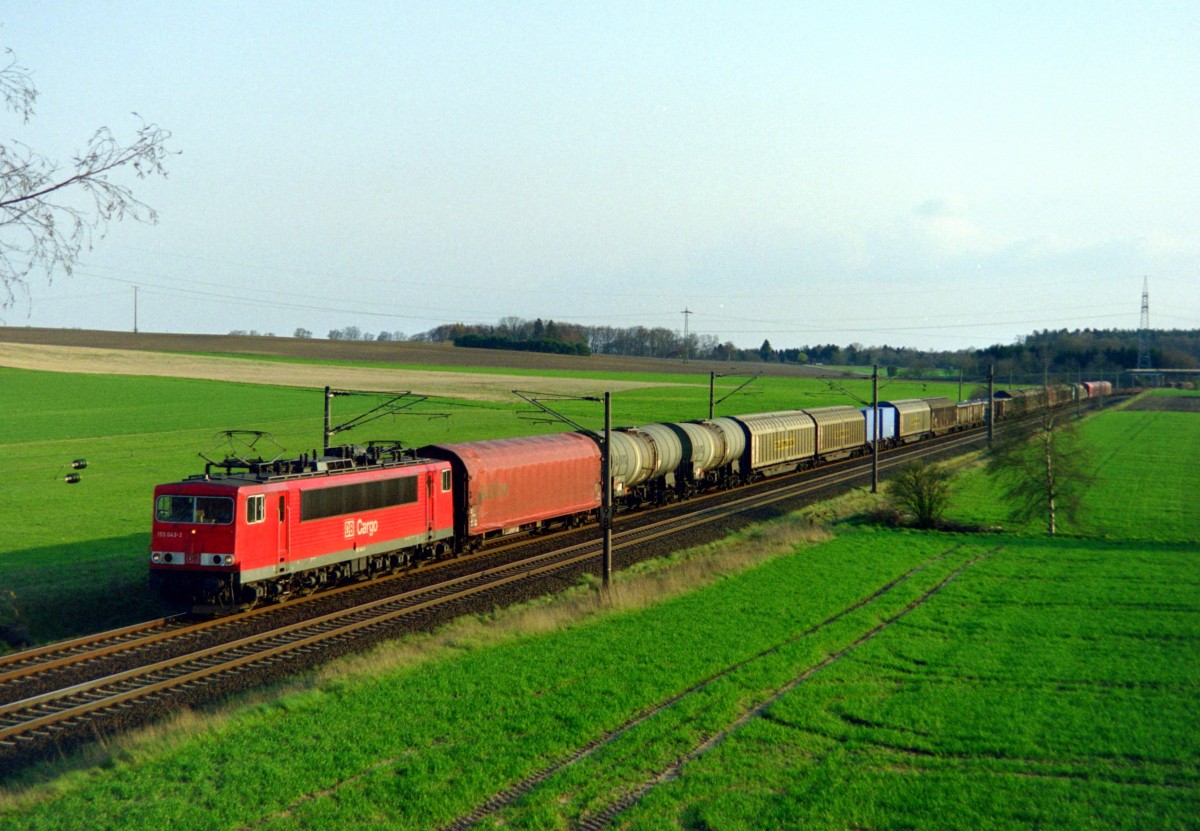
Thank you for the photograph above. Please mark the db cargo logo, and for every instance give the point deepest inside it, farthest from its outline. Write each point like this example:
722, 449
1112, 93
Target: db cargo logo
359, 528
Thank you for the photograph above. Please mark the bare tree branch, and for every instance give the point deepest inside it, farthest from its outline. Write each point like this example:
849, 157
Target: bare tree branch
50, 212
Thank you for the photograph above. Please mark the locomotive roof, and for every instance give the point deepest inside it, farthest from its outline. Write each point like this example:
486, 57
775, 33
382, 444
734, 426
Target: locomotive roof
336, 461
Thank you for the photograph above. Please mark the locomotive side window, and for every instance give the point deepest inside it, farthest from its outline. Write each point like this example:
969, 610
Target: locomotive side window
445, 481
256, 508
352, 499
209, 510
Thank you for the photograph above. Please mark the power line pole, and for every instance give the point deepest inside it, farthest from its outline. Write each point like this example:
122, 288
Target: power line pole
606, 507
875, 432
686, 313
135, 288
991, 404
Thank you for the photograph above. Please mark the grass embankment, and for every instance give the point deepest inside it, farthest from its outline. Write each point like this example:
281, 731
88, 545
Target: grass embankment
83, 546
850, 684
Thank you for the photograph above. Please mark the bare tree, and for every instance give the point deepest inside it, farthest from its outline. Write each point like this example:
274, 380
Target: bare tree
1042, 466
50, 212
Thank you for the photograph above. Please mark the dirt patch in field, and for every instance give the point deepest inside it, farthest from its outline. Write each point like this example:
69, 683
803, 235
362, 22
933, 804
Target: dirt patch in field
1167, 403
462, 385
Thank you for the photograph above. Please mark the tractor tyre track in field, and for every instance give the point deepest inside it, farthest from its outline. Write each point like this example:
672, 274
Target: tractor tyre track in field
510, 795
604, 818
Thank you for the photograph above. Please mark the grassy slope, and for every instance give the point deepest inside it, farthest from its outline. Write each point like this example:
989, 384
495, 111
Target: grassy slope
1051, 683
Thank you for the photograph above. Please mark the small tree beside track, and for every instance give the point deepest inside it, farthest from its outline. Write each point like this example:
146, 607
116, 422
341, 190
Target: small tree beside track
920, 493
1042, 466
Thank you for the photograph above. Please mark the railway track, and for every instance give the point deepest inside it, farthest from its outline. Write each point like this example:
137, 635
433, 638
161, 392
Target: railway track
127, 676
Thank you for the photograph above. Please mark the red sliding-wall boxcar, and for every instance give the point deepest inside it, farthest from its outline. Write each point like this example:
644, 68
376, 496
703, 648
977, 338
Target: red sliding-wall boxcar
505, 486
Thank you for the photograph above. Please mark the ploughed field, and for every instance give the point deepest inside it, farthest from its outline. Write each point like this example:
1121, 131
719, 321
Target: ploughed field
875, 679
403, 353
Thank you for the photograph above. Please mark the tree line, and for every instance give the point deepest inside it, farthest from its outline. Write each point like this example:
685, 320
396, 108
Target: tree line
1059, 355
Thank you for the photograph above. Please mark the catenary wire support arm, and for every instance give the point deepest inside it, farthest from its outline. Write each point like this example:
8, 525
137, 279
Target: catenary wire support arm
712, 382
395, 403
548, 415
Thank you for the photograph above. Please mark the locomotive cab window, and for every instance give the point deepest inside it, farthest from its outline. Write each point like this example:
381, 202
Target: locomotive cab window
207, 510
256, 508
445, 481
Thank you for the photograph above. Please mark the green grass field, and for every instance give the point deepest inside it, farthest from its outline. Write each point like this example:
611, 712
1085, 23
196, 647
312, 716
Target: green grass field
1144, 465
1012, 682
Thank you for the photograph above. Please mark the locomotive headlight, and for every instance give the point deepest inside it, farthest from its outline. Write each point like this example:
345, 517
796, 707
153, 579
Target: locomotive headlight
155, 557
167, 558
228, 559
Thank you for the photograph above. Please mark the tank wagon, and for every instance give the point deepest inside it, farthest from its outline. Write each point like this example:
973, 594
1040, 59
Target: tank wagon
708, 454
729, 451
660, 463
644, 462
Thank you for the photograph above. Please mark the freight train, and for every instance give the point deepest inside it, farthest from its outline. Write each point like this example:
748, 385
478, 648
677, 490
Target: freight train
246, 531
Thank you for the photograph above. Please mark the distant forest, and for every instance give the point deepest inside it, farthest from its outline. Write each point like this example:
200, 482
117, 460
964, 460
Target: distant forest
1058, 354
1061, 353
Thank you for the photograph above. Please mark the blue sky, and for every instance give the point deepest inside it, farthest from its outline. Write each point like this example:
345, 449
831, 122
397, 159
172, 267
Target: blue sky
938, 175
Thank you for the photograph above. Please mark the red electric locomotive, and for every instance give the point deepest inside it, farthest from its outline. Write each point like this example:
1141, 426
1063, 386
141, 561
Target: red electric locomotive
243, 531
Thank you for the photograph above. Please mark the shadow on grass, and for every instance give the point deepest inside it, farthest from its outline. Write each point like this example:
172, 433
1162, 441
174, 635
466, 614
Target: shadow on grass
59, 592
